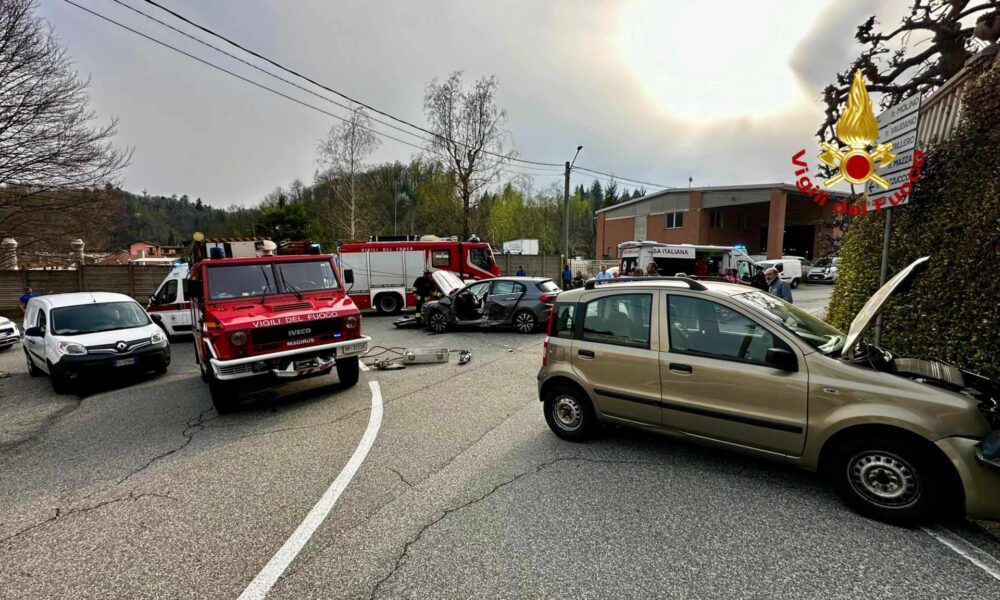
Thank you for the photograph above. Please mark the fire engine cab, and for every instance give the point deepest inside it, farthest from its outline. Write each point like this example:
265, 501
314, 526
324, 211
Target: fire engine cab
385, 268
262, 320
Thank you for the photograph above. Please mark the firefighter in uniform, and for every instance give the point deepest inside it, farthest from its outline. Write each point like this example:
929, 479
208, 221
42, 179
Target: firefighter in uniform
423, 289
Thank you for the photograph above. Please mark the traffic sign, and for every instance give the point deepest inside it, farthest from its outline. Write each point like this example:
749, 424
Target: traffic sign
897, 126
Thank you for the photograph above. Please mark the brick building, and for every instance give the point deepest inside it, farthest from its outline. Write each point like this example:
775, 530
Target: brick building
774, 219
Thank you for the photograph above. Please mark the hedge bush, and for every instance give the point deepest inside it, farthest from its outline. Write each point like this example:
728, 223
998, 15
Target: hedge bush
953, 312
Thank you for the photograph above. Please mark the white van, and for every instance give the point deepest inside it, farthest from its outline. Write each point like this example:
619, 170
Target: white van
789, 269
68, 336
168, 306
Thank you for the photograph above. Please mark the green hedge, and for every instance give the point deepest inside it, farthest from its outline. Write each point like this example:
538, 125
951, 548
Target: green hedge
953, 312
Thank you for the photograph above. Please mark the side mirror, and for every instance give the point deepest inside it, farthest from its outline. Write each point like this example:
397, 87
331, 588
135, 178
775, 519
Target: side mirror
782, 359
348, 276
192, 289
152, 300
34, 332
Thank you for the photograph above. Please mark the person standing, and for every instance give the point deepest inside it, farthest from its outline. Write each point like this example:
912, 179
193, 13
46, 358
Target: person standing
521, 272
777, 287
759, 281
423, 287
603, 274
28, 295
567, 277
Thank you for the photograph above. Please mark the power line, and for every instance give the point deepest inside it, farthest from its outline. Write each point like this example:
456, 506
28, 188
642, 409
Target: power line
236, 75
265, 71
528, 171
618, 178
333, 91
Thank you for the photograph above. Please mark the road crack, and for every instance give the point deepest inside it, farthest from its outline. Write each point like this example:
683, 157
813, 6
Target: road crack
401, 478
193, 426
62, 515
404, 554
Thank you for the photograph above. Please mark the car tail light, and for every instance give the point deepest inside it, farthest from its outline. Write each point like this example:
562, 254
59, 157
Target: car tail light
548, 298
545, 344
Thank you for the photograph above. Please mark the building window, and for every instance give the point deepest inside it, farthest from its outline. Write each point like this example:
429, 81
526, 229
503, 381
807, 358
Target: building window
715, 220
741, 220
673, 220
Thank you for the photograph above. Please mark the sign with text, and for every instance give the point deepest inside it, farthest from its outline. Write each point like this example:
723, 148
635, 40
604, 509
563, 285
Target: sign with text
897, 126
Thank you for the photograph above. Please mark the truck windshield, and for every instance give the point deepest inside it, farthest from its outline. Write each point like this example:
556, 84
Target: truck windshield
240, 281
481, 257
307, 276
92, 318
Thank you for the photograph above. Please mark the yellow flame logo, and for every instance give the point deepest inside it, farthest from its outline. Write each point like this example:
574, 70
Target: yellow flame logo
857, 128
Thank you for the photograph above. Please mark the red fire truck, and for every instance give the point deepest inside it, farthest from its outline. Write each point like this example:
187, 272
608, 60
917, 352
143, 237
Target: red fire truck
385, 269
262, 320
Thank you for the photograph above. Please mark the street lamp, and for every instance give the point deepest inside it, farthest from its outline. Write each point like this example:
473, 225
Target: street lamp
569, 167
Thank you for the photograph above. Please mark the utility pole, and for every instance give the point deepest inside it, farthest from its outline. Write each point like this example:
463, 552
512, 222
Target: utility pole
569, 167
566, 214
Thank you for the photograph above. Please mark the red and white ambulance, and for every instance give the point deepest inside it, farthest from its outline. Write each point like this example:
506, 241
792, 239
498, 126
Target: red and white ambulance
385, 269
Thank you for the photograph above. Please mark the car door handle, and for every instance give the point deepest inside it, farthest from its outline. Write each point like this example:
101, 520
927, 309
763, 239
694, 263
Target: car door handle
679, 368
585, 353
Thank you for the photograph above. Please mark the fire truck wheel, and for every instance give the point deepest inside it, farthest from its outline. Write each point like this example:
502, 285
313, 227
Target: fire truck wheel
388, 304
225, 395
348, 370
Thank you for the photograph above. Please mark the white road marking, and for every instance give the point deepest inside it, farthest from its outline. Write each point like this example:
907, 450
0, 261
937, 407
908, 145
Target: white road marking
266, 579
966, 549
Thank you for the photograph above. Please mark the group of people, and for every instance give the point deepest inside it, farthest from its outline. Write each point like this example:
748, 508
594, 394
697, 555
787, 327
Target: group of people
766, 280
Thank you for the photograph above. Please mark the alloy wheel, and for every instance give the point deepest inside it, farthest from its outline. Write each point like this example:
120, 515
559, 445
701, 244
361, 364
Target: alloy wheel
524, 322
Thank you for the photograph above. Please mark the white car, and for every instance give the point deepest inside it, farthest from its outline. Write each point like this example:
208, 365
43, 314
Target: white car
9, 335
69, 336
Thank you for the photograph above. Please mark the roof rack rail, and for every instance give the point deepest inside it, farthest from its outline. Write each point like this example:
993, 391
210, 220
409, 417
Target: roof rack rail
694, 285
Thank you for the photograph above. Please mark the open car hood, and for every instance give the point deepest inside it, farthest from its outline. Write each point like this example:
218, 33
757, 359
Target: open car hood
866, 317
447, 282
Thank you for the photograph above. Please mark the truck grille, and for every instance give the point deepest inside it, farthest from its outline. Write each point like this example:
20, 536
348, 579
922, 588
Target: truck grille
324, 330
236, 369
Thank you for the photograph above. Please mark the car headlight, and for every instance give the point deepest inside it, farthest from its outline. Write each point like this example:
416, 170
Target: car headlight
72, 348
238, 338
351, 322
158, 338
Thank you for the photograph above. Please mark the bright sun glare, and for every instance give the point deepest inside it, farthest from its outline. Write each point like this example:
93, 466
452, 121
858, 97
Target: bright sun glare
702, 61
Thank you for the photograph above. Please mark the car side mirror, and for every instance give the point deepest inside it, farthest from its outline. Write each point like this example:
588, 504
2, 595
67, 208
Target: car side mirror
348, 276
782, 359
34, 332
152, 300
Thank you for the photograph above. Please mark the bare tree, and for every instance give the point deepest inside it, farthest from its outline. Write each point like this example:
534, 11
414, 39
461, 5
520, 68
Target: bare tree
343, 154
470, 135
49, 149
913, 69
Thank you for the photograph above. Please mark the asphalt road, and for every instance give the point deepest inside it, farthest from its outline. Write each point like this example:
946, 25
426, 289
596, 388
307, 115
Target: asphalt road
143, 491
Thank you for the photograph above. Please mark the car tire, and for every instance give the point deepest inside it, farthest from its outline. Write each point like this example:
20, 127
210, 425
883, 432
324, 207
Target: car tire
225, 395
795, 283
570, 414
348, 370
32, 369
437, 321
60, 383
388, 304
525, 321
888, 478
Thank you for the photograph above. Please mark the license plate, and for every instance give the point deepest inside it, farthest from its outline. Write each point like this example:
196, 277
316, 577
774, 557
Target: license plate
354, 348
124, 362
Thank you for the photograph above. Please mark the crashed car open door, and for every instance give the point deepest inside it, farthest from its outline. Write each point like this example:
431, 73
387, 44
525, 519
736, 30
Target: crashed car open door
503, 299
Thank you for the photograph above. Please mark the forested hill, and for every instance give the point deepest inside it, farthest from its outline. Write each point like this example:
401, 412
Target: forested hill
172, 220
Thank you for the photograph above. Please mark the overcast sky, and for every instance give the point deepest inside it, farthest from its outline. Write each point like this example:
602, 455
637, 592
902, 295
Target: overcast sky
657, 90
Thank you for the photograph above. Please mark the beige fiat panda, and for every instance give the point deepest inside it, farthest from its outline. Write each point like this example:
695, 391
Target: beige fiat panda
899, 439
